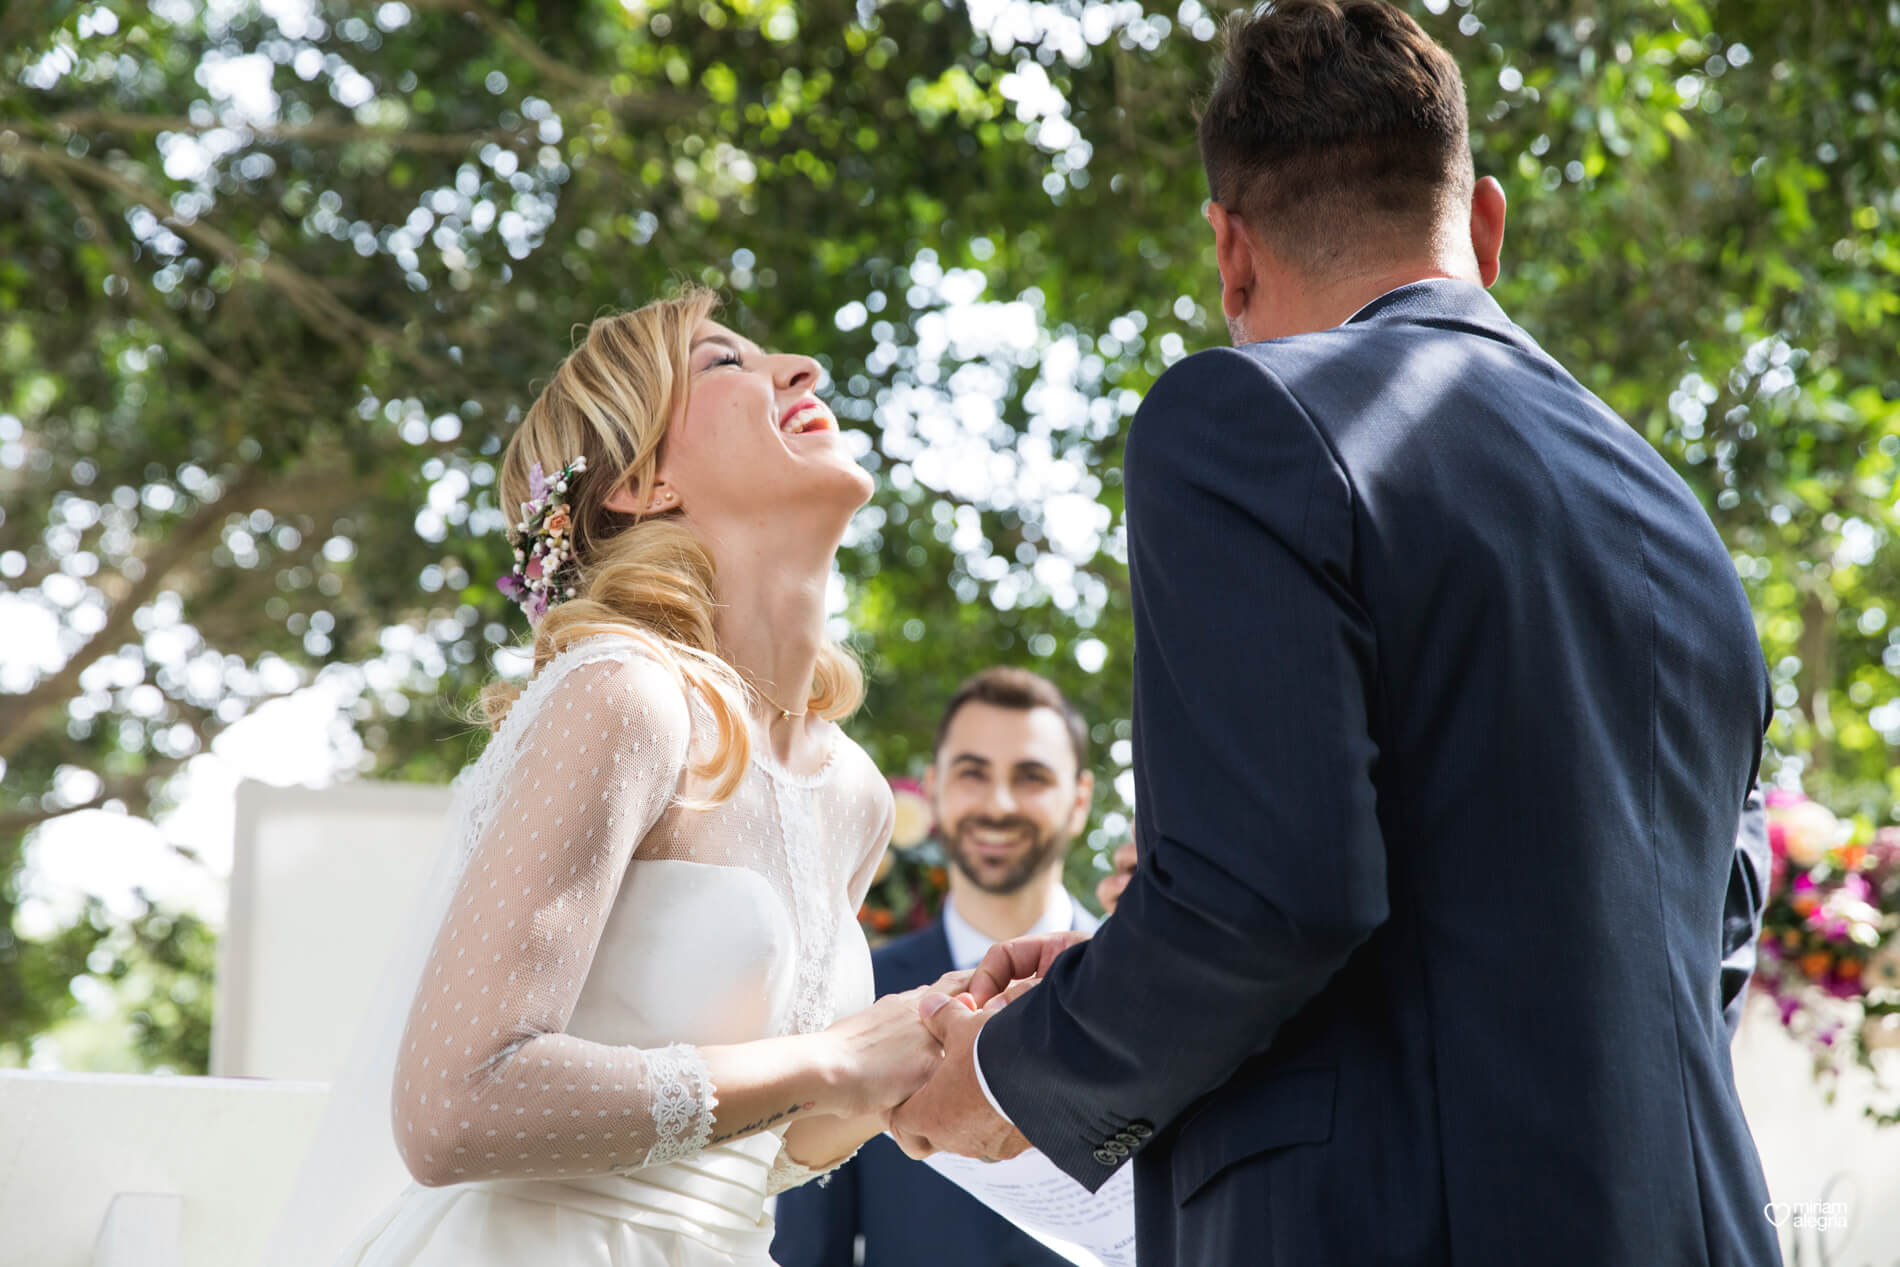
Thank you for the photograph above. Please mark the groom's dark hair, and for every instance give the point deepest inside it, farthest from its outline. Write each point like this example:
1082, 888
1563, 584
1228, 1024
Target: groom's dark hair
1334, 124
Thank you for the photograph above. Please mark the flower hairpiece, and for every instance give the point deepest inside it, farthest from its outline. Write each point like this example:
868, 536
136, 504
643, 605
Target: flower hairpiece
544, 550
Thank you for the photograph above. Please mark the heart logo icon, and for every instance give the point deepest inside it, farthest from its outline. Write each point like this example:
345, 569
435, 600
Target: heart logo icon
1777, 1212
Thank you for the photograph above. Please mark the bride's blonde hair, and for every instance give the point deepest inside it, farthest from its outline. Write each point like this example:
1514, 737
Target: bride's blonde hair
644, 575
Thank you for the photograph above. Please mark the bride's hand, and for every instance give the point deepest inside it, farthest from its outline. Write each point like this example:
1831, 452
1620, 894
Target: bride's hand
884, 1053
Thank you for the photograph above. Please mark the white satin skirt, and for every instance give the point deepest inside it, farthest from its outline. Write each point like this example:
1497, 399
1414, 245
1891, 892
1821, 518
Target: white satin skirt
706, 1211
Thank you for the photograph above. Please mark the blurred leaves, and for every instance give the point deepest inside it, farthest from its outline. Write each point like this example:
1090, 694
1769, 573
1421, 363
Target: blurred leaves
276, 280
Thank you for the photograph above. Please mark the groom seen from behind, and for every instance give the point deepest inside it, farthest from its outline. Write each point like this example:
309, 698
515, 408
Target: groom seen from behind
1447, 699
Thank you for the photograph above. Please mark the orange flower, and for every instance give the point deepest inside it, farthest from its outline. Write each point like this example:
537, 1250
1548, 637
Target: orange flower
556, 523
939, 878
1815, 964
1852, 856
1848, 969
882, 921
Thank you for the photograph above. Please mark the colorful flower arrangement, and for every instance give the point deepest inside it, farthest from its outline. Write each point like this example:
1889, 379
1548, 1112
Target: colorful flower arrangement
544, 544
911, 881
1829, 954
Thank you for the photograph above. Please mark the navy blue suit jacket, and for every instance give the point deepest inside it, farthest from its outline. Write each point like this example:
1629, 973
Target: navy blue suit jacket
1447, 699
908, 1214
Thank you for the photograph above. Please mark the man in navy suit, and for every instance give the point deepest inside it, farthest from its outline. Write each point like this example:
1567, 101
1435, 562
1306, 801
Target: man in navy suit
1010, 787
1447, 699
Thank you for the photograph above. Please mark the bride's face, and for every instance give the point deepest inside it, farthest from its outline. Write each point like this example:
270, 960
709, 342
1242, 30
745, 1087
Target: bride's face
753, 440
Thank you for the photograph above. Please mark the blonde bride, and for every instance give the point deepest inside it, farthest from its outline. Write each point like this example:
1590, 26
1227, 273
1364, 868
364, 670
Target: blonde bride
638, 1001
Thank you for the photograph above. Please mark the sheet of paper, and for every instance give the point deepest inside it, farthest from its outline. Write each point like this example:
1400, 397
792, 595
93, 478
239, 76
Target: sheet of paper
1086, 1228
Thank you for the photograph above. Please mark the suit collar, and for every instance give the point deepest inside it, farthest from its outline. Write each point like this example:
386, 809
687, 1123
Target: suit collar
1439, 301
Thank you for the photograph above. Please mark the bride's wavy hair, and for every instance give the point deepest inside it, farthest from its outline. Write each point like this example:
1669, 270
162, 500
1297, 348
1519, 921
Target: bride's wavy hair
644, 575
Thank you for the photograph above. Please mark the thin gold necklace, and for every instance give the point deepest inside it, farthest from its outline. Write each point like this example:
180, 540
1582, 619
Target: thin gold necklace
784, 713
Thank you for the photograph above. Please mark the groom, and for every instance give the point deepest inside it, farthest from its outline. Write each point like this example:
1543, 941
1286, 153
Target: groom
1446, 703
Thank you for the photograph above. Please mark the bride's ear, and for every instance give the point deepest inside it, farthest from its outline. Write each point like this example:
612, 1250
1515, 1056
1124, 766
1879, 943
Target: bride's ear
660, 499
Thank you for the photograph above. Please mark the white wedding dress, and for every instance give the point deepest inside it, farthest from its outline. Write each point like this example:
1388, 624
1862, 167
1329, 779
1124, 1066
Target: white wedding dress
549, 1093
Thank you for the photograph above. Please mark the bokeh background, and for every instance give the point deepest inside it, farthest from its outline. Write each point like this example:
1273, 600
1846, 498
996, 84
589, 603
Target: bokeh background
277, 278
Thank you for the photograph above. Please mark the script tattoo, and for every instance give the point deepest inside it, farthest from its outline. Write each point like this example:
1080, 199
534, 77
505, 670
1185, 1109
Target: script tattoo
770, 1119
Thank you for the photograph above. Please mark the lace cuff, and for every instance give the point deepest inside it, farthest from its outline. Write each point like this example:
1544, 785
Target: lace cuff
787, 1173
683, 1103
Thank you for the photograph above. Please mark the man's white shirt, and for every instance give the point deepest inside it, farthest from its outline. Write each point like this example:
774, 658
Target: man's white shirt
968, 946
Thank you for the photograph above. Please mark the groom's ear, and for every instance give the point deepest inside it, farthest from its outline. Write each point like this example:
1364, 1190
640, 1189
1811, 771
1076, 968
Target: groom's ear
1487, 227
1234, 256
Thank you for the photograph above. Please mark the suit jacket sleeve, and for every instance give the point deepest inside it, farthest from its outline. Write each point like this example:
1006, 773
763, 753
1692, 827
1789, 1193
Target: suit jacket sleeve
1742, 908
1263, 866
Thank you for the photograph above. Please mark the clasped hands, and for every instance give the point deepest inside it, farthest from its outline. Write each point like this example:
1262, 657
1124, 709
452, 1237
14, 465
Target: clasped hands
950, 1113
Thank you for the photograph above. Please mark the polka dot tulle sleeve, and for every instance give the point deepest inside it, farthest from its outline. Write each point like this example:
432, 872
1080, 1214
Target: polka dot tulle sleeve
488, 1084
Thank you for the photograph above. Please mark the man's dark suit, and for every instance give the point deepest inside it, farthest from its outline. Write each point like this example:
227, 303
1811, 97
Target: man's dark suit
909, 1215
1446, 702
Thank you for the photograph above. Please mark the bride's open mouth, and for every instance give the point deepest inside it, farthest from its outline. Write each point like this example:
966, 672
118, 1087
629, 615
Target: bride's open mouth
805, 418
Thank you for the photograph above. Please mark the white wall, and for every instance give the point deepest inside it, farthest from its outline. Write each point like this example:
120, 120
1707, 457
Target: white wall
319, 883
74, 1142
1813, 1151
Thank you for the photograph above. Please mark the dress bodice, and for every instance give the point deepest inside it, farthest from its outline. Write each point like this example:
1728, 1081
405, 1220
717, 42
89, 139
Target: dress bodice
707, 954
609, 920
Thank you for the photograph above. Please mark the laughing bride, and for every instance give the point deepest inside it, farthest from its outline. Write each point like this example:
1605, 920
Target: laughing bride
618, 1030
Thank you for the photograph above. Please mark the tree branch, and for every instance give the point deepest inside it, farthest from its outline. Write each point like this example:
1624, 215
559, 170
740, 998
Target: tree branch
156, 312
129, 788
592, 88
548, 67
328, 317
284, 133
21, 712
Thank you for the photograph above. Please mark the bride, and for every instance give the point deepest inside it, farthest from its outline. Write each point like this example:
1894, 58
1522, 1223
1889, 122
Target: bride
620, 1034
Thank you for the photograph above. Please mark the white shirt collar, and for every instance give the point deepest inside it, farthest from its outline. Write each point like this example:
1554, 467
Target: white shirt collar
968, 946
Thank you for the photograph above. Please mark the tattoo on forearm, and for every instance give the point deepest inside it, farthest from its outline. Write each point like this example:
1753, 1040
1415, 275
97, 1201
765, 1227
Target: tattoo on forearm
770, 1119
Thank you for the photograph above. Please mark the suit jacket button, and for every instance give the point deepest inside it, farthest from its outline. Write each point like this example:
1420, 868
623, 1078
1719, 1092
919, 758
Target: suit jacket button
1128, 1137
1105, 1157
1116, 1147
1140, 1129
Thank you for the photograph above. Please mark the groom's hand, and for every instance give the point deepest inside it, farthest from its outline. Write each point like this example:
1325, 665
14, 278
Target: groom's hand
1024, 959
950, 1113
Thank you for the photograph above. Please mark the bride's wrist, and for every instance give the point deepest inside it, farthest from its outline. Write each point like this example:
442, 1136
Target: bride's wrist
833, 1074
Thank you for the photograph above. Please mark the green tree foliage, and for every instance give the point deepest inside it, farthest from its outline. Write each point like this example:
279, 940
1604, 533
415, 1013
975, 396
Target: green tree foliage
278, 278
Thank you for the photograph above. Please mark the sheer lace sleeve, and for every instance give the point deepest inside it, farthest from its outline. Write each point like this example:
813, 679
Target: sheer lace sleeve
884, 814
487, 1084
786, 1173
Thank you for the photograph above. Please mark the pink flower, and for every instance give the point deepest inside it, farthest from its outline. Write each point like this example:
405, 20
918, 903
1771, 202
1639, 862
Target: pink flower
913, 821
1781, 798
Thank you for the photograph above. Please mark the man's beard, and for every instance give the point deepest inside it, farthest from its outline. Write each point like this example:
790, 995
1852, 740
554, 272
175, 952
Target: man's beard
1042, 850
